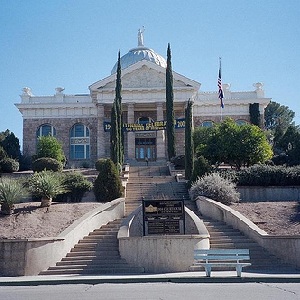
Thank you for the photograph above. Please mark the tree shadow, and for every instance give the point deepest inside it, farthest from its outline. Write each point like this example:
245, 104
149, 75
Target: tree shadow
295, 218
22, 210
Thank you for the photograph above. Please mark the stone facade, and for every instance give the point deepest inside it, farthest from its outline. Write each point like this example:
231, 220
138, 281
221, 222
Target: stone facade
143, 98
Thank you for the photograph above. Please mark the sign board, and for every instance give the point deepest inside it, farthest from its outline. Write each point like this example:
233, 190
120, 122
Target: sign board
163, 217
151, 126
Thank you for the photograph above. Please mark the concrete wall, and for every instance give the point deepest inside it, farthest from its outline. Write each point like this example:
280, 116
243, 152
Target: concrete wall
161, 253
270, 193
31, 256
285, 247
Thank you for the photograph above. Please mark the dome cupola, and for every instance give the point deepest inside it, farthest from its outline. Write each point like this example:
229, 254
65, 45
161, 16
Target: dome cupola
138, 54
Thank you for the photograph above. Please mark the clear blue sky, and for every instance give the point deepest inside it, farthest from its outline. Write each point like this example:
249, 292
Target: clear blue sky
74, 43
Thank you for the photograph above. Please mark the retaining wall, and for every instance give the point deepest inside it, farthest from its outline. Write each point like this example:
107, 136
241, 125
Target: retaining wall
269, 193
285, 247
161, 253
31, 256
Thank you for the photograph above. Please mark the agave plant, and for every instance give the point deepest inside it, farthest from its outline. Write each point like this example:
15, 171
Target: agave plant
11, 192
47, 185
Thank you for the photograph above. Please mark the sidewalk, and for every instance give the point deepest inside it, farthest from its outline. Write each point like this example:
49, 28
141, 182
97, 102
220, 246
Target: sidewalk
184, 277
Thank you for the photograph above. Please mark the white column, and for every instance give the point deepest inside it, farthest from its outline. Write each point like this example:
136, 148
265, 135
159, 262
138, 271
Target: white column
130, 135
160, 137
100, 129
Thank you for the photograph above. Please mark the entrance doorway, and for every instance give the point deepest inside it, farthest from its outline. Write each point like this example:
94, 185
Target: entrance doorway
145, 147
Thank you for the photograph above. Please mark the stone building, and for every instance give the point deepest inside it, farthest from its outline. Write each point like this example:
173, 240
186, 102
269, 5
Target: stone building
81, 122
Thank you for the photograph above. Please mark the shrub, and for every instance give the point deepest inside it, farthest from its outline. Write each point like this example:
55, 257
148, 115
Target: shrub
9, 165
201, 167
265, 175
25, 163
11, 192
215, 187
108, 185
77, 185
178, 161
47, 163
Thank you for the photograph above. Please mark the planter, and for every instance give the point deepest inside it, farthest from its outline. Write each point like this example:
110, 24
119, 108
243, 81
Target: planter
46, 202
7, 209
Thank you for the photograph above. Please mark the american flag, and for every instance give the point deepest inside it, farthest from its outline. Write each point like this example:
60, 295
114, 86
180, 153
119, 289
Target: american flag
221, 96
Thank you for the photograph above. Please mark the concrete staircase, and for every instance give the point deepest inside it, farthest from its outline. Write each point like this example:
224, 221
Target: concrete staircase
95, 254
98, 252
225, 237
150, 183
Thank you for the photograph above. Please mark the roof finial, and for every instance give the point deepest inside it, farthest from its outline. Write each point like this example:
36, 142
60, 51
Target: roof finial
141, 37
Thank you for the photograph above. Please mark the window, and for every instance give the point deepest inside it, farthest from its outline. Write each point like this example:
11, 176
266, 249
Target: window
207, 124
144, 120
46, 130
79, 142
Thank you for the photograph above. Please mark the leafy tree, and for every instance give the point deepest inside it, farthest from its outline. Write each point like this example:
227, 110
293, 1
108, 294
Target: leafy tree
3, 153
290, 145
49, 146
277, 119
278, 115
189, 146
10, 144
236, 145
170, 107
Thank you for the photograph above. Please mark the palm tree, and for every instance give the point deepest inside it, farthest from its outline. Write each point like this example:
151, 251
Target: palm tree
11, 192
47, 185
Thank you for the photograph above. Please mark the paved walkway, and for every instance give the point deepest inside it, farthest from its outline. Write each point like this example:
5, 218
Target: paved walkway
184, 277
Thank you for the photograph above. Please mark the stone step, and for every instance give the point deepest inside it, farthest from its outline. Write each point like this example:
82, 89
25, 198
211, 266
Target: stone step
88, 260
87, 271
88, 252
96, 246
95, 239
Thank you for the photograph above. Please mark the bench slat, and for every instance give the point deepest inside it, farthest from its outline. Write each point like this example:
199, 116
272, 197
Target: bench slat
222, 251
222, 258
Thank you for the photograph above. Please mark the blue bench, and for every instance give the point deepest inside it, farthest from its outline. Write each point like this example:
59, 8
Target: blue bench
225, 258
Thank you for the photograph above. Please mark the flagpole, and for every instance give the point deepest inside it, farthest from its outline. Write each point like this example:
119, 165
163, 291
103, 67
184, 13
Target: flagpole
220, 92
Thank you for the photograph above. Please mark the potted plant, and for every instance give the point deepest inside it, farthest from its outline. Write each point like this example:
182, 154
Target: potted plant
11, 192
46, 185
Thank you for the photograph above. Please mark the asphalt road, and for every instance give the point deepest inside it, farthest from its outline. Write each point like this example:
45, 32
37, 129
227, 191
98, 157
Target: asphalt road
155, 291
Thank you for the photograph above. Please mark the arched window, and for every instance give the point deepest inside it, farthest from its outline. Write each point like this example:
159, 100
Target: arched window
79, 142
45, 130
207, 124
241, 122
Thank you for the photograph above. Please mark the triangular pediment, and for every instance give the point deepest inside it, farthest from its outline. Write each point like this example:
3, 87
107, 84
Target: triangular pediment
144, 74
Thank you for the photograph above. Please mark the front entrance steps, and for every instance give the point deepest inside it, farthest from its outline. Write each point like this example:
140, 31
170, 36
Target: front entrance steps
98, 252
95, 254
223, 236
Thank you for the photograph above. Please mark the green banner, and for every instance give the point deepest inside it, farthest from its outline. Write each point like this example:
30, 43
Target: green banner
152, 126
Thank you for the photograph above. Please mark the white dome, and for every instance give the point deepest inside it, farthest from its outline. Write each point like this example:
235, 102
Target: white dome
137, 54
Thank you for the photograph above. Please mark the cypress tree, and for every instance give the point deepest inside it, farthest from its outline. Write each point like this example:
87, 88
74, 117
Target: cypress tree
170, 107
254, 114
118, 99
189, 144
116, 133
